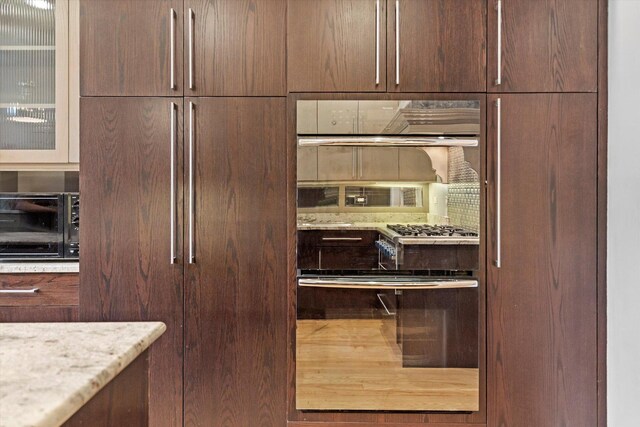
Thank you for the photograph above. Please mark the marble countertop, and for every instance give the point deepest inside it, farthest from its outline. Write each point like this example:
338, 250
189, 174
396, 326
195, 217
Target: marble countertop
50, 370
382, 229
40, 267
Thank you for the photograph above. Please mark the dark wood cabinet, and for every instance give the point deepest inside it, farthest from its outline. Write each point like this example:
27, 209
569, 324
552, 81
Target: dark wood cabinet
337, 249
236, 288
126, 48
24, 314
127, 270
545, 46
336, 46
235, 47
542, 347
442, 45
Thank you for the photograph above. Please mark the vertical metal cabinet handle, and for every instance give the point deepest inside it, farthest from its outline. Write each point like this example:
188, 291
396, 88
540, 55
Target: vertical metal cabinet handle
354, 161
377, 42
191, 201
191, 18
174, 107
359, 162
499, 76
173, 48
498, 261
397, 42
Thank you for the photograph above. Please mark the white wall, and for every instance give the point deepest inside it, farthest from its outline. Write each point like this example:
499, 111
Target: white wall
623, 310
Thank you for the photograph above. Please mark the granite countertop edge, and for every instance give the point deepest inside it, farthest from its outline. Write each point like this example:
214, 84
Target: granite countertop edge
56, 414
8, 267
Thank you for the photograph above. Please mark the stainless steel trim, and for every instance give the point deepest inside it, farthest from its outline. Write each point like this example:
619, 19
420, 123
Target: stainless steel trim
441, 240
384, 283
379, 141
341, 239
320, 259
173, 47
19, 291
499, 61
380, 298
172, 196
397, 42
359, 162
498, 261
191, 18
191, 201
377, 42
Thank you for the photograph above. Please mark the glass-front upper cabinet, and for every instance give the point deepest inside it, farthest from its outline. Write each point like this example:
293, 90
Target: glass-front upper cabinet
34, 81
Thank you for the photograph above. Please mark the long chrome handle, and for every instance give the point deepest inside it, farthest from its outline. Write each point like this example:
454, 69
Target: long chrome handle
498, 260
172, 48
388, 141
499, 75
341, 239
359, 162
191, 19
397, 42
173, 114
377, 42
383, 283
19, 291
191, 201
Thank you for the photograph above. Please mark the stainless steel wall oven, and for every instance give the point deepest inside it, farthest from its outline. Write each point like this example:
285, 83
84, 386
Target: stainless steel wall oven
389, 237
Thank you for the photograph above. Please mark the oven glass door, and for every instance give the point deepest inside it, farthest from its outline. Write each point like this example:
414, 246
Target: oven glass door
31, 226
379, 344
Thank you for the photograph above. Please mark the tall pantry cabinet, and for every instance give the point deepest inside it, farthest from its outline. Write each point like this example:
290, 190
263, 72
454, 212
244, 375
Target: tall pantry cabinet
186, 175
183, 197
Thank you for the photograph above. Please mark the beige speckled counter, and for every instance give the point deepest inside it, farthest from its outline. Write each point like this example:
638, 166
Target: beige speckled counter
50, 370
39, 267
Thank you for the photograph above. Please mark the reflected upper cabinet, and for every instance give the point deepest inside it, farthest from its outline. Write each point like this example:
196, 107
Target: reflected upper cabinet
34, 96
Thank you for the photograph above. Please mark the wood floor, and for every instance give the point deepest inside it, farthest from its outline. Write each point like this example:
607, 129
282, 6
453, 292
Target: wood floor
355, 364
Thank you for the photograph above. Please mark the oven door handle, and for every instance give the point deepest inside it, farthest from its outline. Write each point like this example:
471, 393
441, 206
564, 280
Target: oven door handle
355, 283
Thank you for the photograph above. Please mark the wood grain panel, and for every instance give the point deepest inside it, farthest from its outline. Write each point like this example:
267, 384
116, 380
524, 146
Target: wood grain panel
547, 46
53, 289
239, 47
603, 105
442, 46
236, 292
331, 46
542, 301
122, 402
125, 265
125, 48
38, 314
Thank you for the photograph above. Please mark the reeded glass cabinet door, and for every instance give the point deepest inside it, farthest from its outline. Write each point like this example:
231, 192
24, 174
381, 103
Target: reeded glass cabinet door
34, 83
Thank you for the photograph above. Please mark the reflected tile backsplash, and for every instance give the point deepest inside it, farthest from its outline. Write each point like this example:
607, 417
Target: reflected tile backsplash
372, 217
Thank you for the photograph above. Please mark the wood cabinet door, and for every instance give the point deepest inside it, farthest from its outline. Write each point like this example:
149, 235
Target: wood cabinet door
131, 48
307, 164
30, 314
236, 286
336, 46
542, 299
377, 163
442, 45
545, 46
337, 163
235, 47
127, 270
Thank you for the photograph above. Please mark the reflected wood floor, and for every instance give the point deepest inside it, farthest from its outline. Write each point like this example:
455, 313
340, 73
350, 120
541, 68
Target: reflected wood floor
355, 364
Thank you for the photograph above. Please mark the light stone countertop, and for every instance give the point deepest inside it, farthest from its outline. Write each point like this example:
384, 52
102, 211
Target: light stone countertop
50, 370
39, 267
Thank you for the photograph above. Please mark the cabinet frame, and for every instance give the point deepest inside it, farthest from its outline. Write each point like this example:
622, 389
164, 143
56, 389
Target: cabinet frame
63, 101
310, 418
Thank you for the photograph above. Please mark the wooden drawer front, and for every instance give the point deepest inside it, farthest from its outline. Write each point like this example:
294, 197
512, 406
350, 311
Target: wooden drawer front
347, 238
52, 289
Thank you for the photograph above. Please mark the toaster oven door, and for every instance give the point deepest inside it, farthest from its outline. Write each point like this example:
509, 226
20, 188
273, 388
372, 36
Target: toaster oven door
31, 226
